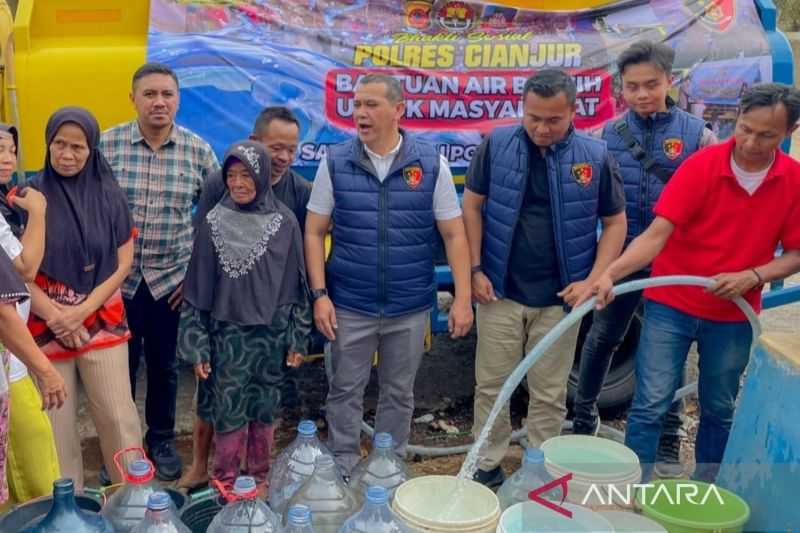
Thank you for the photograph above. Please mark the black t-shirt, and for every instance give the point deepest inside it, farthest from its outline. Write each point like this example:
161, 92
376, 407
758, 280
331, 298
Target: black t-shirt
293, 191
533, 276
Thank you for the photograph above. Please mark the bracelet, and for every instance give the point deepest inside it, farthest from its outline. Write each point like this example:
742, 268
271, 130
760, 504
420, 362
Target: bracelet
760, 279
476, 269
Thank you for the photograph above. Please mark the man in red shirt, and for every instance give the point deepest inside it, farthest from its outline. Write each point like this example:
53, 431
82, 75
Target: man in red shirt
722, 215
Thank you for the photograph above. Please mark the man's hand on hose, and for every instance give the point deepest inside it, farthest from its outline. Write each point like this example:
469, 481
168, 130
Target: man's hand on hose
731, 285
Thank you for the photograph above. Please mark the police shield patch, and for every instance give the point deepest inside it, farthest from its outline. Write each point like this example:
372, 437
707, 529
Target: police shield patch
582, 172
673, 148
413, 176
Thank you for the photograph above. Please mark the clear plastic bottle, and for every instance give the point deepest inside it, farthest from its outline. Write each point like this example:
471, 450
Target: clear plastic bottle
246, 514
294, 465
375, 516
160, 517
298, 520
531, 475
128, 505
325, 493
382, 468
65, 515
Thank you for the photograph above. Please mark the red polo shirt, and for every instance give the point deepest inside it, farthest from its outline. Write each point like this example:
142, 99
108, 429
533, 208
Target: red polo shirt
720, 228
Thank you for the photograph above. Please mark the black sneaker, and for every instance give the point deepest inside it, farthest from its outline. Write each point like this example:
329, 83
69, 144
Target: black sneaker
105, 479
581, 428
492, 478
167, 461
668, 457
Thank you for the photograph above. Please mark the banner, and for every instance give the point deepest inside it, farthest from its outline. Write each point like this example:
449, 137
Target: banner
462, 64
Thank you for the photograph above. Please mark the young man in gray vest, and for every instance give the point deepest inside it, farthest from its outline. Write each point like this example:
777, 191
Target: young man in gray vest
534, 195
386, 193
649, 142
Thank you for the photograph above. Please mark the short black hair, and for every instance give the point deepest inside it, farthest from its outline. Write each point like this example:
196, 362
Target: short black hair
154, 68
394, 89
268, 114
770, 95
549, 82
659, 54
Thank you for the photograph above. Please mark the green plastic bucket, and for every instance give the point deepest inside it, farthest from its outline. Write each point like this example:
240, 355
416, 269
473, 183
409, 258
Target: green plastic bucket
684, 506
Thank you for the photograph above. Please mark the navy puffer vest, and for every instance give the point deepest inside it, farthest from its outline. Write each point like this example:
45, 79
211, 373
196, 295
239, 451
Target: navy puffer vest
574, 167
382, 260
669, 138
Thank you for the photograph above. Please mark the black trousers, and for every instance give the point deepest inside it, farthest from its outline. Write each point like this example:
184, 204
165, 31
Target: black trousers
154, 327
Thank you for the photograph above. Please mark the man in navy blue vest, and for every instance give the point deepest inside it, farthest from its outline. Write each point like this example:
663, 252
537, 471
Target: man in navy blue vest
535, 194
649, 142
386, 192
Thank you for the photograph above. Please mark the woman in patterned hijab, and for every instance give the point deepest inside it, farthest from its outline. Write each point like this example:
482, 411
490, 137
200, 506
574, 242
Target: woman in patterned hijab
246, 308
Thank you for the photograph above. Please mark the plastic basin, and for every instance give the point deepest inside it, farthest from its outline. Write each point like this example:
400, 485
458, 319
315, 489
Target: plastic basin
631, 522
531, 517
23, 515
685, 506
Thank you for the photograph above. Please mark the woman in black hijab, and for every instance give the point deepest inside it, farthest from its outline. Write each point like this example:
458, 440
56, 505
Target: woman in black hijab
246, 309
78, 317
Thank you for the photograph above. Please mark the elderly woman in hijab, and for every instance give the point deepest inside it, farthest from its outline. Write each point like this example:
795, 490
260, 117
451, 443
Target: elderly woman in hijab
78, 318
32, 463
245, 310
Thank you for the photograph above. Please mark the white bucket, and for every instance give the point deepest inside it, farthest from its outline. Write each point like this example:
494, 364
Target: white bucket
632, 522
421, 502
531, 517
603, 471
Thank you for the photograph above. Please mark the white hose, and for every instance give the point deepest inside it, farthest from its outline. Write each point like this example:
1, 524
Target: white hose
554, 334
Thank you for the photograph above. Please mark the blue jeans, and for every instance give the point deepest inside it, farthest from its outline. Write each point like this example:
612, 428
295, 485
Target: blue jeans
608, 330
724, 350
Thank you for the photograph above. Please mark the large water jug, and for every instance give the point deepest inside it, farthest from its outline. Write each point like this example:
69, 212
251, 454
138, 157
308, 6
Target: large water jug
532, 475
160, 516
294, 466
325, 493
128, 505
246, 513
381, 468
375, 516
298, 520
66, 517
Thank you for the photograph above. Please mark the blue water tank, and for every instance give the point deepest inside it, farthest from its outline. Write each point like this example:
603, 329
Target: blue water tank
762, 459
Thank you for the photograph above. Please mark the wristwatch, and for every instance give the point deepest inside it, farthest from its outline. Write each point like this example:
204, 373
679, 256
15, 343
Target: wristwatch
316, 294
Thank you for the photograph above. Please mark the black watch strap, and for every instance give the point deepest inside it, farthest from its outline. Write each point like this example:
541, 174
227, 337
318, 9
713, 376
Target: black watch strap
316, 294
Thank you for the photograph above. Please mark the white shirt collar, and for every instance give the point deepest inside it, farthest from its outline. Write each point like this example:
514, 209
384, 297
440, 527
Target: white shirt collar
390, 155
